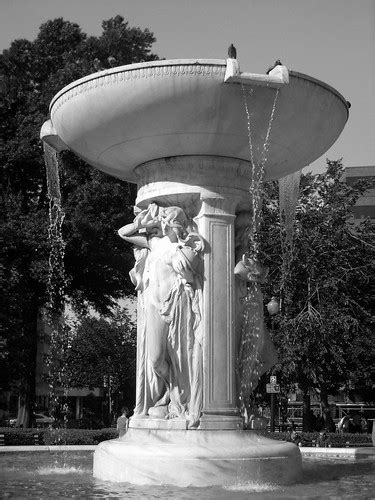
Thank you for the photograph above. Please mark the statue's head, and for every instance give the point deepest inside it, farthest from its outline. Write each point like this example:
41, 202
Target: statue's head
250, 269
174, 218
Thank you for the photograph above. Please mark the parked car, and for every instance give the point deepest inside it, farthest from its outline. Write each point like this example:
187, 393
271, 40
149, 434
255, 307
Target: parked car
41, 420
11, 420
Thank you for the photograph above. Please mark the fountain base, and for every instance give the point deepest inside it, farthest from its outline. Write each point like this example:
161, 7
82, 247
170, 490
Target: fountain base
197, 458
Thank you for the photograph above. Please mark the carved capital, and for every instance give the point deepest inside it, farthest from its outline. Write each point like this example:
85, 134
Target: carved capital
218, 206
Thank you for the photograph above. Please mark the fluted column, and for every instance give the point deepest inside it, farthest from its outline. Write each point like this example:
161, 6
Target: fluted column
216, 224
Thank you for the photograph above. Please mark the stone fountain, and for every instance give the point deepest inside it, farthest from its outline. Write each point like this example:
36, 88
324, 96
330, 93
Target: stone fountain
194, 134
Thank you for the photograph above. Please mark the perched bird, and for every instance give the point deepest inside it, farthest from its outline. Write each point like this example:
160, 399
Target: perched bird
232, 52
276, 63
112, 61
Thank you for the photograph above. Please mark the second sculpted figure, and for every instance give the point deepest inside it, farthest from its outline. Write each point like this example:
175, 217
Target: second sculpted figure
168, 277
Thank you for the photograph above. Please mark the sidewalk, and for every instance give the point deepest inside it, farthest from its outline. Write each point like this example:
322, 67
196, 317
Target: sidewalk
73, 447
364, 452
305, 451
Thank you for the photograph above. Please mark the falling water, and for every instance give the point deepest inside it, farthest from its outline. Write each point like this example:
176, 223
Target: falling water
249, 356
257, 172
56, 270
288, 197
59, 337
253, 334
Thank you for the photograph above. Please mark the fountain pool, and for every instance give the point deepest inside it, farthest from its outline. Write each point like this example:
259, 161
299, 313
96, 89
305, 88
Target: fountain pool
70, 476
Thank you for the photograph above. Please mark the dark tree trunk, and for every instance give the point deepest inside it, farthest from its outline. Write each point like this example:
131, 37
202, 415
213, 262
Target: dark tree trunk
329, 424
307, 415
27, 388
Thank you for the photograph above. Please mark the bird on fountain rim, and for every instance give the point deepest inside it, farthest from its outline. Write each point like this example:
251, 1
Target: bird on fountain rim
232, 52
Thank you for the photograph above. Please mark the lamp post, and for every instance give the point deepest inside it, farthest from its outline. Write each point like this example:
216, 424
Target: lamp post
273, 307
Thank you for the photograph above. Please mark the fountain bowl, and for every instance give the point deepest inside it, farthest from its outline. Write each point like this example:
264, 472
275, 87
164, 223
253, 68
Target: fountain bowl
120, 118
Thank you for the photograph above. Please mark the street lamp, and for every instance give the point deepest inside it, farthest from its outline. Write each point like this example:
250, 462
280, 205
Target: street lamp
273, 307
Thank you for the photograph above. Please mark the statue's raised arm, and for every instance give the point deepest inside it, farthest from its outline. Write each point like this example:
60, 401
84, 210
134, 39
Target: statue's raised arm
145, 225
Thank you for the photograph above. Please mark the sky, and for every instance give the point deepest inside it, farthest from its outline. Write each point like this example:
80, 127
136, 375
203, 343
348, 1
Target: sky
331, 40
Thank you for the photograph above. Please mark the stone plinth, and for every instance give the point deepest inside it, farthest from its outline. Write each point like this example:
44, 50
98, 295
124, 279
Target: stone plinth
196, 458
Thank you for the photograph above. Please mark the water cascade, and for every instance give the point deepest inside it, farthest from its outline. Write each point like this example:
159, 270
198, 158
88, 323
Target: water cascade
288, 198
257, 172
56, 270
254, 338
59, 333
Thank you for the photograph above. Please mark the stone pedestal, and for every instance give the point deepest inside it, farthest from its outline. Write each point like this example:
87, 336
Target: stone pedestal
197, 458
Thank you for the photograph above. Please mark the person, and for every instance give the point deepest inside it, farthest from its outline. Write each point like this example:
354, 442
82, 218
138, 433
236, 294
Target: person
323, 439
319, 423
168, 277
293, 436
357, 424
311, 421
284, 423
344, 424
364, 424
123, 422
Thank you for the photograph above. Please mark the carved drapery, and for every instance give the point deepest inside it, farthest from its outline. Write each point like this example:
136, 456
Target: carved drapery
168, 276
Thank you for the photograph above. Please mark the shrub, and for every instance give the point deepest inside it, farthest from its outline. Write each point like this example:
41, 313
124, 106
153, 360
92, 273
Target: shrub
336, 440
22, 437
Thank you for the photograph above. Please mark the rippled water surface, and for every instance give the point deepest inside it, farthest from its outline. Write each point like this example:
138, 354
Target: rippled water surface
69, 475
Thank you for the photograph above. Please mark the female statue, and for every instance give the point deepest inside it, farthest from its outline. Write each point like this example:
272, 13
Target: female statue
168, 277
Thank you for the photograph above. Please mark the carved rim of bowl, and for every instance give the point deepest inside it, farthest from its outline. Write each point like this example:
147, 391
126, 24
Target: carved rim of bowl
166, 68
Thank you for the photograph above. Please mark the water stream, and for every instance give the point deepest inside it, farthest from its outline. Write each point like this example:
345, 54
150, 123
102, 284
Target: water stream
252, 330
56, 271
59, 333
257, 169
288, 198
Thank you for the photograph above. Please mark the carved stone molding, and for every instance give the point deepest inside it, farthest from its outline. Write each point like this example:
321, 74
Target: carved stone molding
220, 181
125, 74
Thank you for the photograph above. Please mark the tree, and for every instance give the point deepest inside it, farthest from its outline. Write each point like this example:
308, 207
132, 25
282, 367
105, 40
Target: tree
96, 266
327, 312
102, 352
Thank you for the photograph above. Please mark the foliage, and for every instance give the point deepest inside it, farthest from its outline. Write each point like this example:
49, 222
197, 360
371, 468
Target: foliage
103, 352
96, 265
336, 440
31, 72
77, 436
22, 437
327, 318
